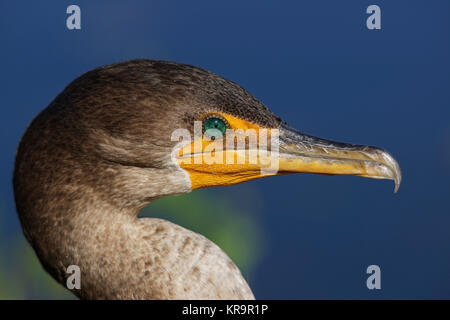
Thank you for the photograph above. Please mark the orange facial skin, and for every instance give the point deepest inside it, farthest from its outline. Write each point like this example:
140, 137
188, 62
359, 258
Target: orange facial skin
211, 163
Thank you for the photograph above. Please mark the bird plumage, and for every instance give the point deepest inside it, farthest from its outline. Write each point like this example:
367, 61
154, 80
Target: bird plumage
102, 150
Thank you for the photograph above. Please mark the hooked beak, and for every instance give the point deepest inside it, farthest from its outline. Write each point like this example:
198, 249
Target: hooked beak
289, 151
303, 153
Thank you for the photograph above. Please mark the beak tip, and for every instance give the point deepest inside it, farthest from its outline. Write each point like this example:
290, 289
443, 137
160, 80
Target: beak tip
396, 172
397, 186
391, 167
397, 178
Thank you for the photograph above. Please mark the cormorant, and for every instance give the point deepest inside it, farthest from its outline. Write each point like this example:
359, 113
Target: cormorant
108, 145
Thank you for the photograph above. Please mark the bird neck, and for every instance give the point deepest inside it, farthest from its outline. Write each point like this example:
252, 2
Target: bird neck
121, 256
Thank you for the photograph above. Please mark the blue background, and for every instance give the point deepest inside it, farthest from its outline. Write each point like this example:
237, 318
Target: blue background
315, 64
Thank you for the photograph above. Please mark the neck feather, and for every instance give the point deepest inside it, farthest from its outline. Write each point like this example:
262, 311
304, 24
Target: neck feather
122, 256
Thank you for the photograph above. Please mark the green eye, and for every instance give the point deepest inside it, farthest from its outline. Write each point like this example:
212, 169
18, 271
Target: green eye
214, 127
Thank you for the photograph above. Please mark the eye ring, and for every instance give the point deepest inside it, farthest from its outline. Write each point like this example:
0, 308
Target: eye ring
215, 126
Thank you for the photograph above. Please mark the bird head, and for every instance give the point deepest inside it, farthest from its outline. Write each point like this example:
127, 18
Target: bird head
156, 128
